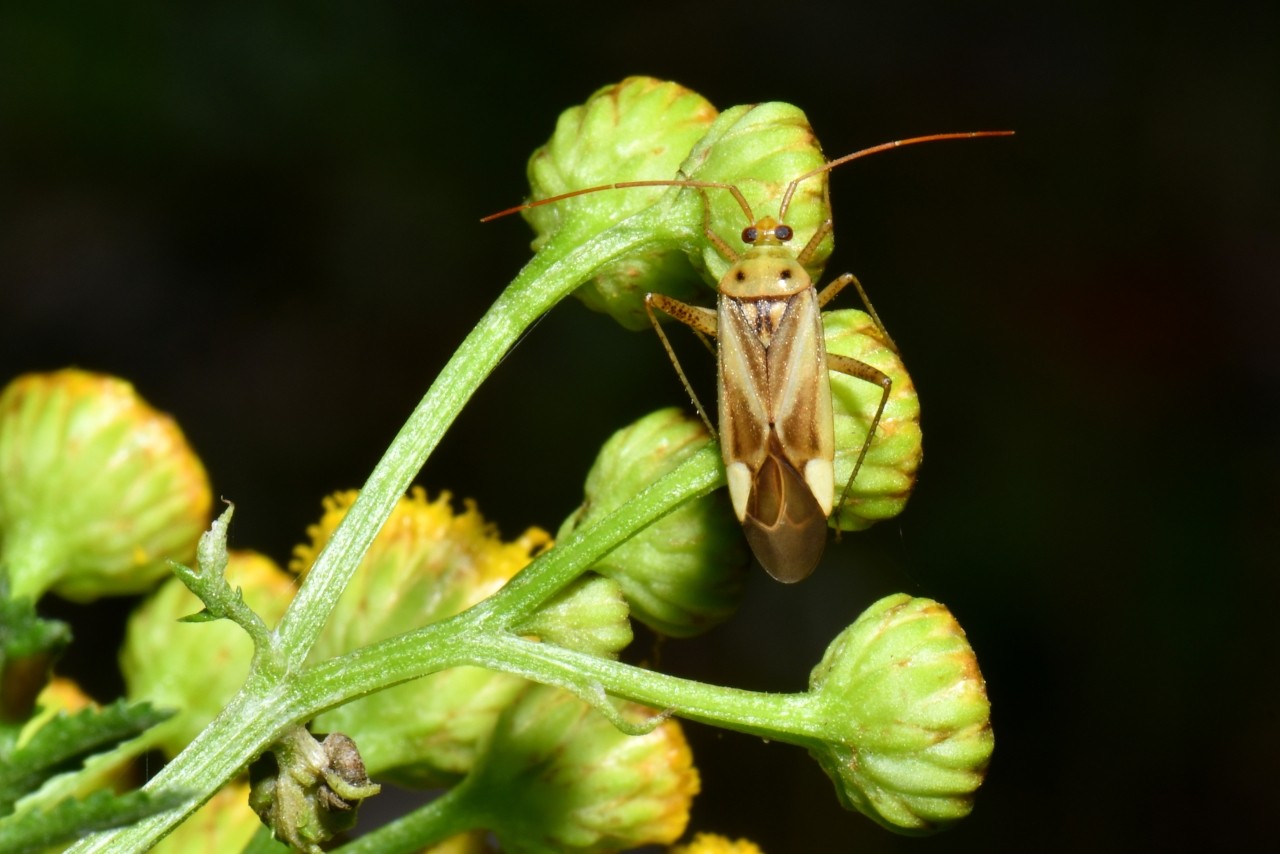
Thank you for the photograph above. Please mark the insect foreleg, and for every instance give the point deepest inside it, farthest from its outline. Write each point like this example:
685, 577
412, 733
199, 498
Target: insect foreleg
812, 246
701, 320
725, 250
829, 293
862, 371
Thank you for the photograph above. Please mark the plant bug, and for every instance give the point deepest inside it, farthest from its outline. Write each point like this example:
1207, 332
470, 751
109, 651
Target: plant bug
775, 408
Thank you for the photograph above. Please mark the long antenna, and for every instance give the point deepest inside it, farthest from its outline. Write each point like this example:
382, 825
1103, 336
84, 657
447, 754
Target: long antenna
876, 149
667, 182
737, 194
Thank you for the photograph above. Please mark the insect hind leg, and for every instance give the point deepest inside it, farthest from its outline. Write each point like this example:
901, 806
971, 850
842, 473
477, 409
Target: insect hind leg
867, 373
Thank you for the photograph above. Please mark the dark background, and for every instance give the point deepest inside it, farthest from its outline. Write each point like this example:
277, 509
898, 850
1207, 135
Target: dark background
266, 217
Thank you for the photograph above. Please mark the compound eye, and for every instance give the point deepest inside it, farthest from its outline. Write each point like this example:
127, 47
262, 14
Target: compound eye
750, 234
783, 233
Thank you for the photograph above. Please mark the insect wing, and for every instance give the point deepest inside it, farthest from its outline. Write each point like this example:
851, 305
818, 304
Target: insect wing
776, 428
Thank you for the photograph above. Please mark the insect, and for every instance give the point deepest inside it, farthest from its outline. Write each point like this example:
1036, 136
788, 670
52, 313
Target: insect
776, 419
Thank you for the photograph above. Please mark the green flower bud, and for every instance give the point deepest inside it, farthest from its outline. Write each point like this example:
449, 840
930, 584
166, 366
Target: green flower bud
639, 129
427, 563
307, 791
642, 129
888, 472
684, 573
197, 668
591, 615
98, 491
558, 777
761, 149
224, 823
910, 730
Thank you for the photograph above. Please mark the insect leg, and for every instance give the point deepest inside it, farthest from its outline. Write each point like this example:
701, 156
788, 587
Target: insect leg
726, 251
862, 371
701, 320
829, 293
812, 246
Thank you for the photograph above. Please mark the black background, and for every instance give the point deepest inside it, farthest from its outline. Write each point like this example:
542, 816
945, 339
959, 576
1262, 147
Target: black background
266, 217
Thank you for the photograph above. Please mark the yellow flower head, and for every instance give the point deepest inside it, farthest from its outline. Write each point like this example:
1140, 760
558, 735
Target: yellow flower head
427, 563
710, 843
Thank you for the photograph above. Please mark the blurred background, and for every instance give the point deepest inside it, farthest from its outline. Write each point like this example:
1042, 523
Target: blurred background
266, 217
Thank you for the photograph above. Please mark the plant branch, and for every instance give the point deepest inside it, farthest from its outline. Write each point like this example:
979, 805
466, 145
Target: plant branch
271, 702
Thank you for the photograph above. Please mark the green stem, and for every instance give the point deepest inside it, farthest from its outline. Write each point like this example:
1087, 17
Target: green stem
554, 272
446, 816
267, 704
458, 639
783, 717
700, 474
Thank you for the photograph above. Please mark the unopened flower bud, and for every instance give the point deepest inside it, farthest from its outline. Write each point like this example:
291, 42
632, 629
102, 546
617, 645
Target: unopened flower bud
558, 776
639, 129
761, 149
888, 472
684, 573
591, 615
98, 491
909, 733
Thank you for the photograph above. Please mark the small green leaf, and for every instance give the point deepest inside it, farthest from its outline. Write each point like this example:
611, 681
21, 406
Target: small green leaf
66, 741
201, 616
221, 600
28, 647
74, 819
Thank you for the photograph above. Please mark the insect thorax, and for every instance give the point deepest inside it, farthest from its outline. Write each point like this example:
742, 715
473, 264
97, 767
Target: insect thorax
765, 271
